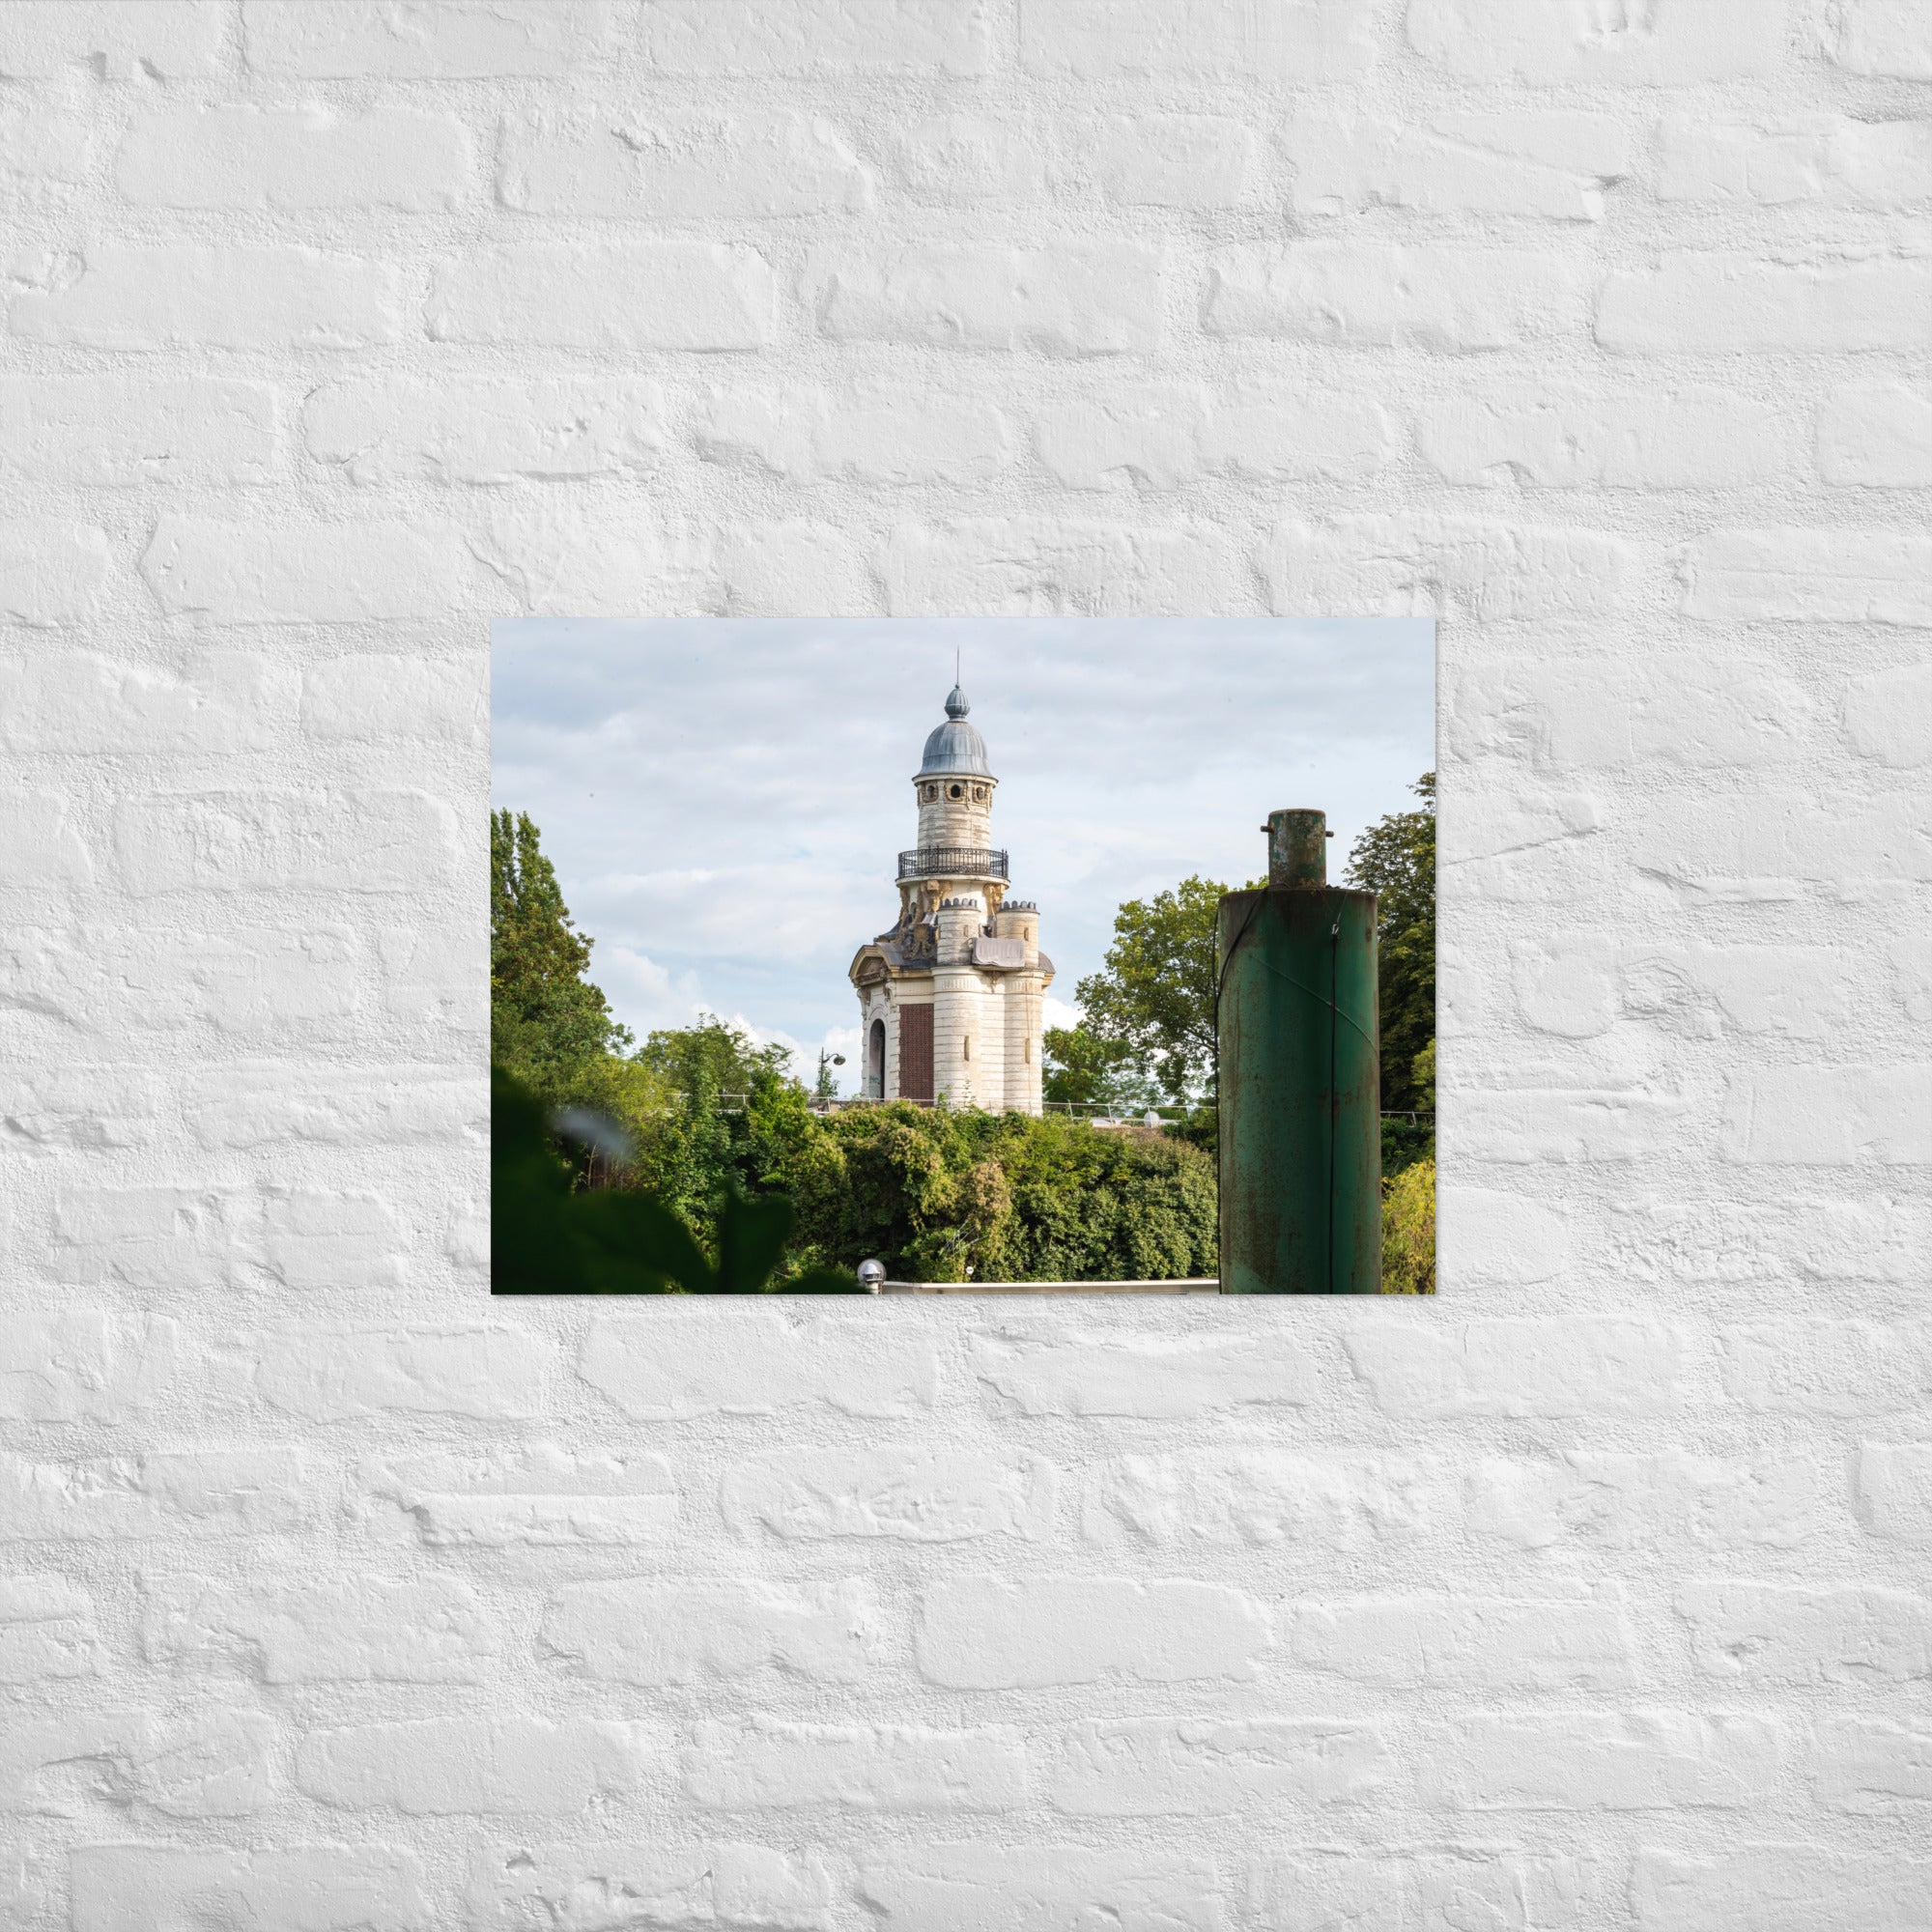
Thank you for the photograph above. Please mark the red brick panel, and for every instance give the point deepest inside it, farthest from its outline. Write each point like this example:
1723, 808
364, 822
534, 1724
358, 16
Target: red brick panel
916, 1053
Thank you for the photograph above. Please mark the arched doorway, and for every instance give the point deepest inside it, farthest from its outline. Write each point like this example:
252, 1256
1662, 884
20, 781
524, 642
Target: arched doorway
875, 1062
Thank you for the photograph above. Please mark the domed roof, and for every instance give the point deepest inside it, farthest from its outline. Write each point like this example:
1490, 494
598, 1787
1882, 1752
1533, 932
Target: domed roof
954, 746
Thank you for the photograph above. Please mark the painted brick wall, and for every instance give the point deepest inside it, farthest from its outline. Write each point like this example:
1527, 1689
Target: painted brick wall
1594, 1596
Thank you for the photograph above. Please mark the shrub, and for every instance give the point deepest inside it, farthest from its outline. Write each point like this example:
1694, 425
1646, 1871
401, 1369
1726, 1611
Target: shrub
1405, 1143
935, 1194
1408, 1230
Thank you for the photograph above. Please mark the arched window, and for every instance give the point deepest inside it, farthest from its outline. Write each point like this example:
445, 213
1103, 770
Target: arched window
875, 1062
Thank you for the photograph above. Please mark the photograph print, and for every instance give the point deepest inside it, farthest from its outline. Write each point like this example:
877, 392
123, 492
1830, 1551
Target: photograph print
982, 957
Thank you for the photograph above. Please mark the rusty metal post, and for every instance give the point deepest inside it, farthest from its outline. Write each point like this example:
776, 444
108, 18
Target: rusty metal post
1297, 848
1300, 1077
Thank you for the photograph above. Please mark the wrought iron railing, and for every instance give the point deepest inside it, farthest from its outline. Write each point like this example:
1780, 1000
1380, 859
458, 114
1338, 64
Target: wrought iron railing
952, 861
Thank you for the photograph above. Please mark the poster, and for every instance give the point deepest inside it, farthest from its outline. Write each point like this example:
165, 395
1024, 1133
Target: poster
946, 955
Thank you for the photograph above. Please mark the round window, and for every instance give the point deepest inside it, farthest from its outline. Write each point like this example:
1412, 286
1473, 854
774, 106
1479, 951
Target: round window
956, 791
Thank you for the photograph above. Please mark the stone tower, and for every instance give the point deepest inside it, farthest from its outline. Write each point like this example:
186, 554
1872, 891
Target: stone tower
951, 995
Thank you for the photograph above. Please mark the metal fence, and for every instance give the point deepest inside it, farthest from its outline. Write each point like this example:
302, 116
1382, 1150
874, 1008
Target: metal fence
1102, 1111
954, 862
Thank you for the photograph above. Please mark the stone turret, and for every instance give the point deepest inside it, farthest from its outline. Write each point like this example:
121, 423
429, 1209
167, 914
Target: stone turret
1019, 918
961, 920
952, 994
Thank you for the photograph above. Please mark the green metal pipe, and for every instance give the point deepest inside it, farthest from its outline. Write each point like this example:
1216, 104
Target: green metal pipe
1300, 1077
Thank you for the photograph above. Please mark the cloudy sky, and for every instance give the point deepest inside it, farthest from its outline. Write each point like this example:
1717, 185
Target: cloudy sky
724, 799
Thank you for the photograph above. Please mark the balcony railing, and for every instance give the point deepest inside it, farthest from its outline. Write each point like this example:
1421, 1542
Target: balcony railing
952, 861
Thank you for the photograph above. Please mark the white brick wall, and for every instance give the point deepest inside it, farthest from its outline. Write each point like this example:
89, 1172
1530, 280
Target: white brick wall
1592, 1596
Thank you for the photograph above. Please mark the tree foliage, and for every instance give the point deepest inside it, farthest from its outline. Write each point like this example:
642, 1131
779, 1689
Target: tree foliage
548, 1025
688, 1154
1153, 1002
714, 1056
1081, 1068
944, 1196
1408, 1230
1405, 1141
937, 1195
1396, 859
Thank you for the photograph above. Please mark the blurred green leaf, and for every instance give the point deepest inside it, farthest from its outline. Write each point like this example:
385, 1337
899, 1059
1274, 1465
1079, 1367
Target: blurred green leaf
750, 1239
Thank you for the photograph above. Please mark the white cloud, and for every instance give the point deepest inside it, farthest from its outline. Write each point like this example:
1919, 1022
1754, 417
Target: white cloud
725, 912
644, 995
762, 1036
1060, 1012
804, 1052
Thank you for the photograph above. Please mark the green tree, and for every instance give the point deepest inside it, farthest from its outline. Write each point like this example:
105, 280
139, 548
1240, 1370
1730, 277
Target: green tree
1087, 1070
1396, 859
635, 1095
717, 1052
1423, 1072
694, 1152
548, 1025
1153, 999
